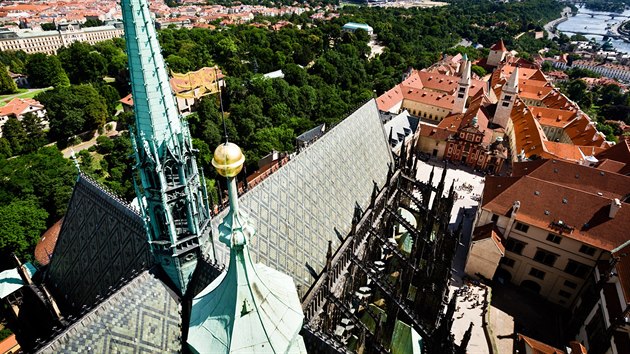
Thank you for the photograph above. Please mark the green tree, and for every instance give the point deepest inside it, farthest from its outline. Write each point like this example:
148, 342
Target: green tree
23, 221
34, 129
49, 26
114, 56
7, 85
92, 22
577, 91
5, 149
111, 96
178, 64
14, 133
118, 165
104, 145
44, 176
82, 63
480, 71
45, 70
72, 110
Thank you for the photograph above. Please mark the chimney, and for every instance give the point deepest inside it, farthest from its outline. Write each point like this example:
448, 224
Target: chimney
515, 207
615, 205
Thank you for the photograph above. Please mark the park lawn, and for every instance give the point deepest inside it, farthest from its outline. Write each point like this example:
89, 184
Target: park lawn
22, 93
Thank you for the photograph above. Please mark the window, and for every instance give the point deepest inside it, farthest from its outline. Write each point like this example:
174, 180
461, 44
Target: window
494, 218
460, 95
554, 238
544, 257
570, 284
507, 97
577, 269
521, 227
515, 246
564, 294
537, 273
587, 250
505, 104
508, 262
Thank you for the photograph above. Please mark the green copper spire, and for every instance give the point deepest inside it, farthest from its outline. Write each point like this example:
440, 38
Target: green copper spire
172, 197
156, 113
250, 308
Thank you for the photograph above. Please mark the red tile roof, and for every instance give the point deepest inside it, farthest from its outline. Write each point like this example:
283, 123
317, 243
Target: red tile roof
426, 87
619, 152
536, 347
127, 100
490, 231
611, 166
546, 197
431, 132
390, 98
46, 244
18, 106
559, 101
528, 135
499, 46
553, 117
583, 178
563, 151
583, 132
431, 98
9, 345
532, 92
475, 109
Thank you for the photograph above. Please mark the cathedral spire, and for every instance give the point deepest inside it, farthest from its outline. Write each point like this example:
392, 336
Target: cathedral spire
172, 196
251, 308
156, 114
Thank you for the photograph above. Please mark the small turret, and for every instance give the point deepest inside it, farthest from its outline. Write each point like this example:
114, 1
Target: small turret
251, 308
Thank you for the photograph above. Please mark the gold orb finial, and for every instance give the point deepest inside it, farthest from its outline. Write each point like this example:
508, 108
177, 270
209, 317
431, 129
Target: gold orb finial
228, 159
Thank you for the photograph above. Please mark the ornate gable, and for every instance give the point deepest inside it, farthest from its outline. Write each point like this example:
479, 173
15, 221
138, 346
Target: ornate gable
102, 240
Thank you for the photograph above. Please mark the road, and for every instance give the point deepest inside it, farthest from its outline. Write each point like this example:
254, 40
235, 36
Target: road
67, 152
550, 27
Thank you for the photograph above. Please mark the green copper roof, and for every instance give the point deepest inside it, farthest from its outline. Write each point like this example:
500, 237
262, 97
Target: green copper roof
250, 308
154, 106
405, 340
10, 281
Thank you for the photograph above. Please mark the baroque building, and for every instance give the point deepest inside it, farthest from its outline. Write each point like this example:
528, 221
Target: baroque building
558, 229
32, 41
512, 114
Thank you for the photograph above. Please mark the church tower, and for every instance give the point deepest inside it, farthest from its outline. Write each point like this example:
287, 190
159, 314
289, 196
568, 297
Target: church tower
497, 54
172, 195
463, 86
506, 101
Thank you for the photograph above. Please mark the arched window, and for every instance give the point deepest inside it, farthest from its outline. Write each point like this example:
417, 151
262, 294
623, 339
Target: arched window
531, 285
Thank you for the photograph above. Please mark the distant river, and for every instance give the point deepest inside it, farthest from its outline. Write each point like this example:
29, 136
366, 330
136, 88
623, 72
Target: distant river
583, 22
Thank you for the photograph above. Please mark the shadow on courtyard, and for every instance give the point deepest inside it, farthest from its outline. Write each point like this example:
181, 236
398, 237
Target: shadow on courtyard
533, 316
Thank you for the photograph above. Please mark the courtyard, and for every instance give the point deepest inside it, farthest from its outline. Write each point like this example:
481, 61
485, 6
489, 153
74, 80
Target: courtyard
505, 307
